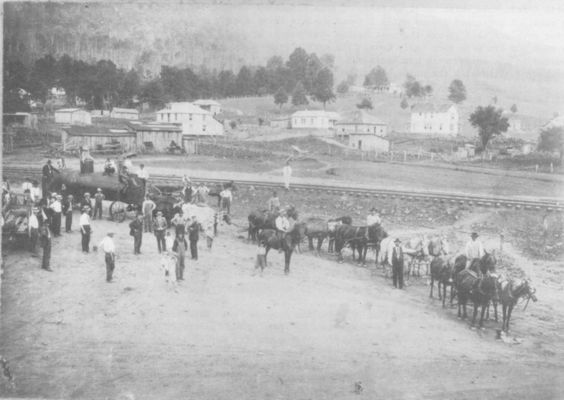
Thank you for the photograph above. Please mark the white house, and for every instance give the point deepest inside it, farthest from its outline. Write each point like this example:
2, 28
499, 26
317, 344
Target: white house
434, 119
314, 119
360, 121
195, 121
73, 116
368, 142
125, 113
209, 105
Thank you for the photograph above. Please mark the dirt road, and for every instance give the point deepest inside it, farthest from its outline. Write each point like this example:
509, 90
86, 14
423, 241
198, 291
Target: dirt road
226, 333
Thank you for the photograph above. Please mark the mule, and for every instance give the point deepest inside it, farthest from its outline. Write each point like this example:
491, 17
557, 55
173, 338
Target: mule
442, 271
287, 243
320, 230
509, 294
480, 290
359, 238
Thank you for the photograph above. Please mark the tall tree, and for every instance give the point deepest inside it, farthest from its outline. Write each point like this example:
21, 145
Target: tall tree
322, 90
244, 85
457, 91
313, 66
261, 81
226, 83
414, 88
552, 139
376, 77
280, 97
489, 122
299, 95
43, 76
328, 61
153, 93
297, 63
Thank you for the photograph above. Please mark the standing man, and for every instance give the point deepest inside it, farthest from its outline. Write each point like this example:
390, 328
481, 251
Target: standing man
274, 203
108, 247
180, 247
395, 259
474, 250
143, 175
372, 219
33, 226
187, 190
57, 208
98, 199
46, 244
282, 224
47, 175
287, 172
67, 211
136, 230
194, 236
178, 223
201, 193
148, 207
35, 191
85, 229
226, 199
160, 226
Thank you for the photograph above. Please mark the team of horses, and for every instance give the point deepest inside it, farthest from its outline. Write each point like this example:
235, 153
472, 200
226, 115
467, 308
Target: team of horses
478, 283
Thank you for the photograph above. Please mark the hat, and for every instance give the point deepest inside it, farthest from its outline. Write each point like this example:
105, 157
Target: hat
85, 208
373, 209
397, 240
99, 190
87, 194
35, 209
159, 213
110, 234
474, 234
59, 196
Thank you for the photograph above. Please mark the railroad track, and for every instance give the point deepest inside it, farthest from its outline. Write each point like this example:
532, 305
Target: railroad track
442, 197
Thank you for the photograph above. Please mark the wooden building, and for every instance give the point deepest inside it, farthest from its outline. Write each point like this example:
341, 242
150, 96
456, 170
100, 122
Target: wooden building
125, 113
73, 116
157, 137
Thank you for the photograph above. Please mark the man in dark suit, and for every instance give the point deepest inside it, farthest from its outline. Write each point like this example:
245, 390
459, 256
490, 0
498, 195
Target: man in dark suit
193, 237
136, 230
46, 244
48, 173
396, 261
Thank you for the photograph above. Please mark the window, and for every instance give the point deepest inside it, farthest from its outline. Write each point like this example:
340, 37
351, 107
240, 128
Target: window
303, 120
203, 128
190, 117
168, 116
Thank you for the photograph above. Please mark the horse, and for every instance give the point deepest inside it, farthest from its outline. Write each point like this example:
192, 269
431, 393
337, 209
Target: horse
442, 272
320, 229
418, 250
359, 238
510, 292
264, 219
480, 290
287, 243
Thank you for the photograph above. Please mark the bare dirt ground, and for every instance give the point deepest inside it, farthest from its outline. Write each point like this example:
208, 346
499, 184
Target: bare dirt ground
228, 333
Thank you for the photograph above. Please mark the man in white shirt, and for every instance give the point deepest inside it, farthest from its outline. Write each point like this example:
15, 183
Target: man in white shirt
287, 172
57, 208
85, 229
474, 250
148, 207
143, 175
33, 226
108, 247
282, 224
226, 198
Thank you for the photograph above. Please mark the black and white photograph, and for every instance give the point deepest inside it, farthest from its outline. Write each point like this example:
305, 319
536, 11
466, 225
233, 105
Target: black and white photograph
282, 199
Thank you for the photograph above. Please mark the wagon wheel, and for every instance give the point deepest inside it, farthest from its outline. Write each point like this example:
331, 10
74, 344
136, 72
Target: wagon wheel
117, 211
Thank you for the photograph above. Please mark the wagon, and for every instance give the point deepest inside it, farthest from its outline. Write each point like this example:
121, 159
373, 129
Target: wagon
125, 191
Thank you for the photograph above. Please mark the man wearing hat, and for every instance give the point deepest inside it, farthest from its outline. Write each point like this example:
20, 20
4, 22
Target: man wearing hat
85, 229
46, 244
86, 201
160, 226
98, 199
395, 259
47, 175
67, 211
56, 206
474, 250
109, 248
136, 230
193, 227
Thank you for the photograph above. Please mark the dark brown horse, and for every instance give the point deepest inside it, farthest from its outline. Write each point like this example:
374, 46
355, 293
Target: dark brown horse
285, 242
442, 272
480, 290
264, 219
509, 294
359, 238
320, 229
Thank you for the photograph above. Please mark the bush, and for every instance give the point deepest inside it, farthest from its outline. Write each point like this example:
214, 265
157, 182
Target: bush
233, 124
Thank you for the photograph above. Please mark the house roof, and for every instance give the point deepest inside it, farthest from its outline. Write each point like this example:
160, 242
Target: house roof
431, 108
69, 110
316, 113
155, 127
184, 108
206, 102
360, 117
79, 130
555, 122
125, 110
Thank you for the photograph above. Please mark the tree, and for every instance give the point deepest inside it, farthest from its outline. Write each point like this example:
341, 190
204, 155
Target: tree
376, 77
313, 66
281, 97
153, 93
343, 87
365, 104
322, 90
552, 139
414, 88
299, 95
457, 91
351, 79
43, 77
489, 122
404, 104
513, 108
244, 83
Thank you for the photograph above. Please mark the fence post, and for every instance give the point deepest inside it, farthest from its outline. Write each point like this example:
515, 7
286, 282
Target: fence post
501, 246
404, 155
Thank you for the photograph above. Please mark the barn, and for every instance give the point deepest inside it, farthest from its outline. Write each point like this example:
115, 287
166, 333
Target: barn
99, 139
157, 137
367, 141
73, 116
